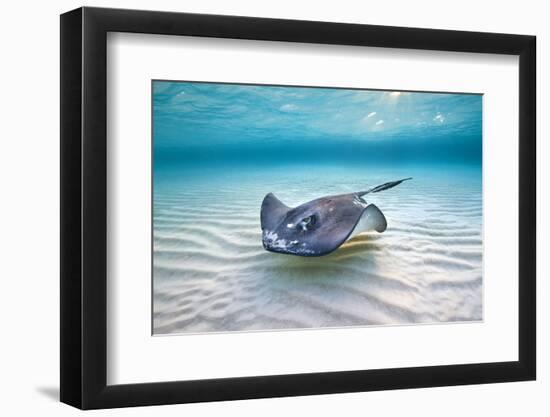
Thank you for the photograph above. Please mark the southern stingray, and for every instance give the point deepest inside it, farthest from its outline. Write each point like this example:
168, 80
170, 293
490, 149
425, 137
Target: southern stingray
320, 226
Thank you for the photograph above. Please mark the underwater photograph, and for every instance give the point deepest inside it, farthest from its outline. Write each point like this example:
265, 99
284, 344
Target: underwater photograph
292, 207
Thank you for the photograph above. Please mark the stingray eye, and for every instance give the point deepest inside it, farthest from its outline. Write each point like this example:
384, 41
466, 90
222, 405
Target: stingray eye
307, 222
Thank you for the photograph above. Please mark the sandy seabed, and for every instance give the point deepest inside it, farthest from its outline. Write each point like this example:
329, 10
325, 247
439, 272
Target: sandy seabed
211, 273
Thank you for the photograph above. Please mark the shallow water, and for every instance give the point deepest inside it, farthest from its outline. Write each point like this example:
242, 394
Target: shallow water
211, 273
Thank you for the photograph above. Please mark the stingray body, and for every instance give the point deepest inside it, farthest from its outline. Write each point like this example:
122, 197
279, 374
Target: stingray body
320, 226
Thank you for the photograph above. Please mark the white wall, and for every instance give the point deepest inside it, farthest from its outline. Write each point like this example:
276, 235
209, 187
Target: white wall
29, 176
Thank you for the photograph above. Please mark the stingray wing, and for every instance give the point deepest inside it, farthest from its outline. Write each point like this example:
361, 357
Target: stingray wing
272, 212
371, 219
350, 216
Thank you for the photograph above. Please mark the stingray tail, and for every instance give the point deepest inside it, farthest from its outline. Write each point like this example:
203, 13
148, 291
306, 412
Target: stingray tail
382, 187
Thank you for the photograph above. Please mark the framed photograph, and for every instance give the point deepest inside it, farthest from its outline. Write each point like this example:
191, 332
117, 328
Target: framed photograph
257, 207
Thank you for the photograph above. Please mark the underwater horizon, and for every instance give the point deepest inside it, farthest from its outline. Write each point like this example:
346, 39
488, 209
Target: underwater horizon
218, 149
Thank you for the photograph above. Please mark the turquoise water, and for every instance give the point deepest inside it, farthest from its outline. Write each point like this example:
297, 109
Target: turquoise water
218, 149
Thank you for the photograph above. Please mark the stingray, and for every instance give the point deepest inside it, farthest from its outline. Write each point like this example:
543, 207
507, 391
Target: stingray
320, 226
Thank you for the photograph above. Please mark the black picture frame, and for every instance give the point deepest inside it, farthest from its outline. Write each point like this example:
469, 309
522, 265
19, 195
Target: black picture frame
84, 207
